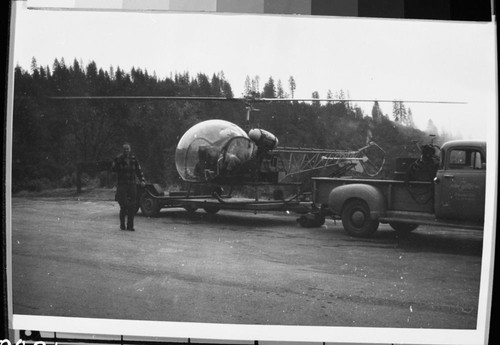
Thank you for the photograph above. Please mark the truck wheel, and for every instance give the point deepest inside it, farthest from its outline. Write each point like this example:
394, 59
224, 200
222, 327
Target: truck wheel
211, 209
356, 219
403, 228
149, 205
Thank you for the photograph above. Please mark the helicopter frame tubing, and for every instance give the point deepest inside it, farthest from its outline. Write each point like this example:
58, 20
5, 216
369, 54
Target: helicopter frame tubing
298, 161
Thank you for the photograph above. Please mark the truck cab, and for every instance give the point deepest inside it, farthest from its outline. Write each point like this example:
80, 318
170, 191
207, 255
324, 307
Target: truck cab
460, 181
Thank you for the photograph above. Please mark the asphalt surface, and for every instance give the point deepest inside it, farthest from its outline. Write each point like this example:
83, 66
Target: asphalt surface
70, 259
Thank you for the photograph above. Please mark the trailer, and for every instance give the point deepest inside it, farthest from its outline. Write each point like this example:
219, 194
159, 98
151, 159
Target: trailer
153, 199
282, 168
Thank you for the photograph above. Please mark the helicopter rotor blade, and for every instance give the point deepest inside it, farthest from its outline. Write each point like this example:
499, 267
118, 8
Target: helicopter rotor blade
352, 100
246, 100
173, 98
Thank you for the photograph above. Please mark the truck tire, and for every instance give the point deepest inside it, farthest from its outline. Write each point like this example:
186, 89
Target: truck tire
150, 207
403, 228
356, 219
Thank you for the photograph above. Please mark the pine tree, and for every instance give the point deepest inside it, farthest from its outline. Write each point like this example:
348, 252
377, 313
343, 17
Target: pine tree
216, 85
376, 112
292, 85
399, 112
34, 67
280, 93
252, 87
34, 64
329, 95
431, 128
409, 119
248, 87
256, 85
204, 86
315, 95
269, 89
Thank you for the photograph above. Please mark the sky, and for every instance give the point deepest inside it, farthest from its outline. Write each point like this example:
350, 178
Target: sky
383, 59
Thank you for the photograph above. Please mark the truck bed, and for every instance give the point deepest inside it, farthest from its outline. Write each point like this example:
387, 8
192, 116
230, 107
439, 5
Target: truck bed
413, 196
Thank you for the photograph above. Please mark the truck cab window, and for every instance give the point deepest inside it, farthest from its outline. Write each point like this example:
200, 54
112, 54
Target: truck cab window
466, 159
478, 161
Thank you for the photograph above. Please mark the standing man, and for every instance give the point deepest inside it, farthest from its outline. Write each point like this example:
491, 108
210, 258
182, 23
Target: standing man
127, 169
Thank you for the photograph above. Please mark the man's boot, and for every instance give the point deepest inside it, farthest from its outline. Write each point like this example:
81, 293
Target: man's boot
130, 225
122, 219
130, 220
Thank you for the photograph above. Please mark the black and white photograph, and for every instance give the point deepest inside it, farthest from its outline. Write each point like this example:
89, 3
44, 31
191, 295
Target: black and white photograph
205, 174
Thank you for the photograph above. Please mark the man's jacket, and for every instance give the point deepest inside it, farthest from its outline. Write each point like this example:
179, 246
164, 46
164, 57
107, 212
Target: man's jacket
127, 170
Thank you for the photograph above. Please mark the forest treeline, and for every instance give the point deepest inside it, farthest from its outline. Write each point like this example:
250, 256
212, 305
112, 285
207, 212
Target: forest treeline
51, 135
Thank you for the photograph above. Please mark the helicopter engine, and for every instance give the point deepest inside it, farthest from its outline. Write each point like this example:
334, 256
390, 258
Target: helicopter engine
263, 139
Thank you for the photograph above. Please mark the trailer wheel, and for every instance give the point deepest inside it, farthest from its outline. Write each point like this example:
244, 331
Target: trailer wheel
311, 220
211, 209
149, 205
356, 219
278, 194
403, 228
190, 208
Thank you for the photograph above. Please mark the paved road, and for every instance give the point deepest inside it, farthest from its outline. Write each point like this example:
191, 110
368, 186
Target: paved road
70, 259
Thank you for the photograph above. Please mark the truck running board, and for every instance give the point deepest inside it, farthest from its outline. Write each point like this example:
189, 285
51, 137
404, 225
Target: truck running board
427, 219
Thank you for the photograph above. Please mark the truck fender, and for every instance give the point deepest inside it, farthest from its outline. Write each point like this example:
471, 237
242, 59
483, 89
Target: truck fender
373, 196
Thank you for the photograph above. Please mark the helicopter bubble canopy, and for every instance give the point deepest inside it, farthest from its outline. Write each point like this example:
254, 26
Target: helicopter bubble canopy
213, 149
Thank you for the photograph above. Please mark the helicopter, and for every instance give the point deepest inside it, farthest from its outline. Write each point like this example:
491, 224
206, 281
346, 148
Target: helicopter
220, 152
217, 153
